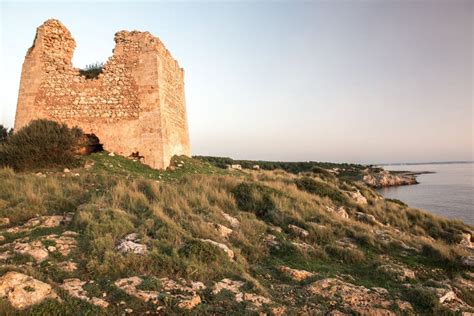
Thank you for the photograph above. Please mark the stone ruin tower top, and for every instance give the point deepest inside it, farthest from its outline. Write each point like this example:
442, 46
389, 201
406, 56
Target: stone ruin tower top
136, 105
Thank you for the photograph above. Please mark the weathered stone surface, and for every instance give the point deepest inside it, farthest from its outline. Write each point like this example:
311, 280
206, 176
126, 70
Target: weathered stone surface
352, 297
222, 230
35, 249
4, 221
226, 249
298, 231
234, 222
42, 222
340, 211
298, 275
74, 288
358, 197
185, 292
385, 179
234, 287
135, 105
23, 291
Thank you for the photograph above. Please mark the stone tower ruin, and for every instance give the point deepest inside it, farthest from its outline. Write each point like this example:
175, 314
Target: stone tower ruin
136, 105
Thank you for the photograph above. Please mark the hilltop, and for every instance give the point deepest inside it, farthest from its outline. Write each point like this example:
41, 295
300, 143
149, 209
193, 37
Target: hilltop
113, 236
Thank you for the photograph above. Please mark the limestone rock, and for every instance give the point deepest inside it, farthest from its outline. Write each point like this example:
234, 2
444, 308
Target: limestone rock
234, 222
222, 230
358, 197
4, 221
133, 247
226, 249
74, 288
340, 211
298, 275
298, 231
352, 297
23, 291
35, 249
367, 218
386, 179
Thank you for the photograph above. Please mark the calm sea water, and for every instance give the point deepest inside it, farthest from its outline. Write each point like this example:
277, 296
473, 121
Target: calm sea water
448, 192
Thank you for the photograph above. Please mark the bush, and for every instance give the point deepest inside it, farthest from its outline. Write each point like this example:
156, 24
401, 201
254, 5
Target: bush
322, 189
5, 133
256, 198
92, 71
41, 144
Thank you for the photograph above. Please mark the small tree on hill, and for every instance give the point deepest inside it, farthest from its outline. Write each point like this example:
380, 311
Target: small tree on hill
41, 144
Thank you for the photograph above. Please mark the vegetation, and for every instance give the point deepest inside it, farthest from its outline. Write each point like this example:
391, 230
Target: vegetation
92, 71
41, 144
176, 212
5, 133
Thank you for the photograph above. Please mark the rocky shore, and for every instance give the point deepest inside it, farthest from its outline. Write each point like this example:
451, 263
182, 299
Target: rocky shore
385, 178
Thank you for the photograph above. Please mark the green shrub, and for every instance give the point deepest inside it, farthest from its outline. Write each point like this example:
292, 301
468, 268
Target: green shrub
322, 189
256, 198
5, 133
92, 71
41, 144
347, 255
201, 251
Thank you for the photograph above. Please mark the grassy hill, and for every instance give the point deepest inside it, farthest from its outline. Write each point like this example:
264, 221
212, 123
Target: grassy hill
115, 237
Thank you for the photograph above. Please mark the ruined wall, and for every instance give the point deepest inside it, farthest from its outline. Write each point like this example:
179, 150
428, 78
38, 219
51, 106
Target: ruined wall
136, 104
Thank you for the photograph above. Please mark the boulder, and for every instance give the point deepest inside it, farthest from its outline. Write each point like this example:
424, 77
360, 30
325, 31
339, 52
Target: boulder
226, 249
298, 231
297, 275
234, 222
23, 291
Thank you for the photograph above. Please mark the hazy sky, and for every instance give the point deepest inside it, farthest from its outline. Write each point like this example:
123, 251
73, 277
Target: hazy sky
347, 81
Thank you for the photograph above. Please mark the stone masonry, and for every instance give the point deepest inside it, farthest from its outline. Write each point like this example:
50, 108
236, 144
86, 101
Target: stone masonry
135, 105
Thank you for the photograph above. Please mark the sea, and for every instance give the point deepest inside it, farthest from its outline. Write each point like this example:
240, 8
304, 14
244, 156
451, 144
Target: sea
449, 191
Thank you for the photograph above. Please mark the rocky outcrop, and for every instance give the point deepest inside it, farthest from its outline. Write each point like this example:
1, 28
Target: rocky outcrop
185, 292
234, 287
386, 179
130, 243
357, 299
74, 287
23, 291
226, 249
297, 275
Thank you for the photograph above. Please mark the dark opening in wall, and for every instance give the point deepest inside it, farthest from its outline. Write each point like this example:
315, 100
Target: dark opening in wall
92, 71
93, 144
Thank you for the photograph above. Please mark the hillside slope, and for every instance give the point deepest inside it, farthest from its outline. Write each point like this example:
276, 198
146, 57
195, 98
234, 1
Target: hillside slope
116, 237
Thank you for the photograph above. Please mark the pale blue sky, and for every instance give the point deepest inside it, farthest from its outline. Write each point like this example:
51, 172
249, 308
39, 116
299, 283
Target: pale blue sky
346, 81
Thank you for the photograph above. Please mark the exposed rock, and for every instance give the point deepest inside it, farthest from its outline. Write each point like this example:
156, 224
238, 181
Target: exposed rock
347, 242
368, 218
234, 222
298, 275
352, 297
229, 285
466, 241
226, 249
222, 230
184, 291
298, 231
65, 243
302, 246
130, 246
4, 221
67, 266
358, 197
35, 249
468, 261
397, 271
23, 291
42, 222
271, 241
74, 288
190, 303
2, 239
386, 179
255, 299
234, 287
129, 286
340, 211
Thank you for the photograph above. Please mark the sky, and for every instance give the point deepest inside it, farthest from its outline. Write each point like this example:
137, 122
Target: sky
342, 81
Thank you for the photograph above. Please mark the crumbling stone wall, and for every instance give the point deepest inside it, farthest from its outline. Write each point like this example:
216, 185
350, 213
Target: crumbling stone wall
136, 104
